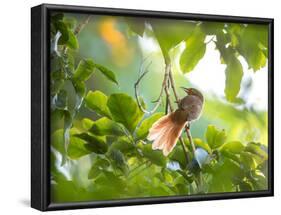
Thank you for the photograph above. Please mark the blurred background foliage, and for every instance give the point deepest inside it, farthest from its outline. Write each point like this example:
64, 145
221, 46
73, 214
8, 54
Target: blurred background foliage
99, 149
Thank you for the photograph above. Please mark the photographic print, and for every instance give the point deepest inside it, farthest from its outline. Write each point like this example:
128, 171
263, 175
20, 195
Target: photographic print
145, 107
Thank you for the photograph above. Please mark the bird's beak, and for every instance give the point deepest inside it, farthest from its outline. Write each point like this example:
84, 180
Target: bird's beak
187, 90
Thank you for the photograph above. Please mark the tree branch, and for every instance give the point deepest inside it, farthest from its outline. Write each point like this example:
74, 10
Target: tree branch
157, 101
187, 127
169, 103
82, 25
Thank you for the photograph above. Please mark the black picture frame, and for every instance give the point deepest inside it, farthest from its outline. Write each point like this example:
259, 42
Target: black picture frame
40, 111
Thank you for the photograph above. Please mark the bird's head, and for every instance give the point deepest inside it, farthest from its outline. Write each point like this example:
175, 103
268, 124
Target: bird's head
194, 92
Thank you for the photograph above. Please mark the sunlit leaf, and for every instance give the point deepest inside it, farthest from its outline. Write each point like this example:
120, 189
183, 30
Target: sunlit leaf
87, 123
253, 44
215, 137
125, 110
194, 51
97, 102
233, 147
256, 148
233, 78
77, 148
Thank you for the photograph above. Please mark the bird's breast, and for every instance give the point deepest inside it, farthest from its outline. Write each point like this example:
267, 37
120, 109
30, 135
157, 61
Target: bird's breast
192, 105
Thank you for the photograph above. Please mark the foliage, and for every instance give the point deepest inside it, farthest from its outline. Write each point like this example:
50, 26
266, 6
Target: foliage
112, 136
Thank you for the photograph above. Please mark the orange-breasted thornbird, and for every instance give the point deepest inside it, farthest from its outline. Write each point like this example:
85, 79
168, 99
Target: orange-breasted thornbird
165, 131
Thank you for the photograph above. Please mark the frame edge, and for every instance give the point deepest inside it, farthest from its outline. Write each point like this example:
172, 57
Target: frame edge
38, 88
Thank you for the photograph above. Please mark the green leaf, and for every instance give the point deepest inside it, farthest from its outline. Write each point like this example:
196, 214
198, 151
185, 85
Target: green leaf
259, 180
253, 44
125, 110
178, 155
77, 148
248, 161
93, 143
194, 51
97, 101
57, 140
142, 130
84, 70
80, 88
259, 154
105, 126
169, 33
235, 147
215, 137
234, 31
107, 73
226, 52
118, 161
211, 28
224, 175
123, 145
99, 165
62, 28
70, 22
155, 156
256, 148
234, 74
87, 123
72, 41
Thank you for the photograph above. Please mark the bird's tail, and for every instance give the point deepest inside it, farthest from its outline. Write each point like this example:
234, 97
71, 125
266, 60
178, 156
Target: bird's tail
164, 133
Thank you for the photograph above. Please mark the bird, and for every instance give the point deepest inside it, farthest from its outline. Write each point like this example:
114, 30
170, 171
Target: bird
166, 130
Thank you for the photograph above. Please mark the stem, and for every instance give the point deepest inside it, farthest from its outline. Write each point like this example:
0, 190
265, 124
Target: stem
82, 25
169, 105
187, 127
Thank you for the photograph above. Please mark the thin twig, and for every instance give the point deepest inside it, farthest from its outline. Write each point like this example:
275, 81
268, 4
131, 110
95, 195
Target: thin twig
136, 86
